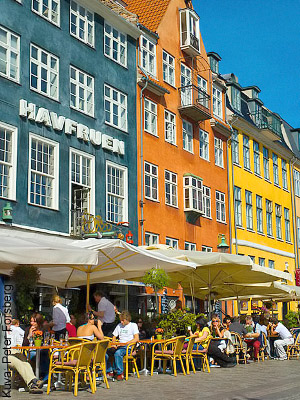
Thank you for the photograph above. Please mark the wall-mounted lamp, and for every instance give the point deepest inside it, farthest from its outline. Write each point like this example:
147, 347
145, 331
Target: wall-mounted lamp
7, 213
222, 246
129, 237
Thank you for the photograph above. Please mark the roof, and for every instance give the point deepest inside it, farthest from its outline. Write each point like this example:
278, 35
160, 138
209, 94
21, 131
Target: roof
117, 8
150, 12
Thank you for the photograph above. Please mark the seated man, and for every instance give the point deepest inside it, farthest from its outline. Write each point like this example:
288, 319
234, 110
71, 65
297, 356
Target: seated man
128, 333
286, 338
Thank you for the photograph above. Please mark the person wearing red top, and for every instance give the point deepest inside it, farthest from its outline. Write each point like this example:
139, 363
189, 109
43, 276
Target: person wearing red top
71, 327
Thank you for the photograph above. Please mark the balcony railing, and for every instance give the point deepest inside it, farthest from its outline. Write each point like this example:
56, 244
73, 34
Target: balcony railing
266, 120
194, 103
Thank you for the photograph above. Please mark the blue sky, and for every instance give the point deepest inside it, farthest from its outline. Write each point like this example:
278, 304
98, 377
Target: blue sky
259, 41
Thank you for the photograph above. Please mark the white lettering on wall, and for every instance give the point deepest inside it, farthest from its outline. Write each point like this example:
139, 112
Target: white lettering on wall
70, 127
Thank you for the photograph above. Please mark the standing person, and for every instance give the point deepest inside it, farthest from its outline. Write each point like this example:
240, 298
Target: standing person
106, 313
285, 335
60, 317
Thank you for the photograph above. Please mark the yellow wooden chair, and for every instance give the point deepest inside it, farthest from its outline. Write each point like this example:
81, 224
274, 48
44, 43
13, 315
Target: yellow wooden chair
71, 366
99, 364
240, 350
293, 350
262, 354
187, 355
130, 357
201, 353
171, 349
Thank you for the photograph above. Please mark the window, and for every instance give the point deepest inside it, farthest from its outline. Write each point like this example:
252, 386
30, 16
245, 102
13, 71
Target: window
193, 200
151, 239
202, 97
271, 264
148, 56
266, 163
220, 207
287, 225
82, 188
170, 127
168, 68
284, 174
262, 261
189, 31
44, 69
171, 188
8, 160
275, 169
187, 133
186, 86
204, 144
217, 103
115, 44
249, 210
189, 246
256, 157
259, 214
43, 172
116, 193
278, 214
115, 104
207, 249
252, 258
48, 9
151, 181
235, 147
236, 98
206, 202
81, 91
246, 152
219, 152
9, 54
297, 182
298, 231
150, 117
238, 206
81, 23
172, 242
269, 211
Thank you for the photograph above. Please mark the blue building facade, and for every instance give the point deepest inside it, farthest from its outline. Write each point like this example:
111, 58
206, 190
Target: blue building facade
68, 113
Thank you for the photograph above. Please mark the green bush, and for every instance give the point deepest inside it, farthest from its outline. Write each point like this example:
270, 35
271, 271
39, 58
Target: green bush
292, 319
176, 323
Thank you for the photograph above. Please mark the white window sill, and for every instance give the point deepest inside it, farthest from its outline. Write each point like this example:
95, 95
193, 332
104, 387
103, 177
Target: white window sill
45, 207
204, 216
275, 184
46, 19
280, 240
170, 205
248, 170
205, 159
261, 233
10, 79
116, 62
153, 200
172, 144
114, 126
188, 151
287, 190
237, 165
268, 180
258, 175
222, 222
150, 133
44, 95
270, 236
91, 46
250, 230
240, 227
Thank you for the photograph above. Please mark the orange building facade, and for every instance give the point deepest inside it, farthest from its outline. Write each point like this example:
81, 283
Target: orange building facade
182, 131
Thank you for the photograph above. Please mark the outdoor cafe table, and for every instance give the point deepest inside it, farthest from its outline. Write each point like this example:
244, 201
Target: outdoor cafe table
145, 371
38, 353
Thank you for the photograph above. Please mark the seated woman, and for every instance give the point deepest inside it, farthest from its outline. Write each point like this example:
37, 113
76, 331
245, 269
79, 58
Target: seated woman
89, 330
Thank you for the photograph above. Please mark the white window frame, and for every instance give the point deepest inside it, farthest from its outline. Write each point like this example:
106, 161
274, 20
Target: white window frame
204, 144
206, 202
266, 163
271, 264
297, 182
217, 102
50, 71
121, 106
88, 24
259, 214
249, 210
186, 88
87, 86
219, 154
206, 249
123, 197
187, 136
275, 169
152, 175
298, 231
262, 261
278, 215
170, 127
172, 242
269, 217
150, 116
148, 55
117, 44
238, 206
246, 152
190, 246
284, 174
168, 68
10, 162
10, 52
153, 238
171, 188
46, 10
235, 147
202, 95
256, 158
54, 177
193, 194
236, 98
287, 225
220, 207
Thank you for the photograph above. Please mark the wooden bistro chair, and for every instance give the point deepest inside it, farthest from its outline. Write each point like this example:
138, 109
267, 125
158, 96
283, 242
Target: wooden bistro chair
262, 354
130, 357
202, 353
98, 363
293, 350
71, 366
240, 350
171, 349
187, 355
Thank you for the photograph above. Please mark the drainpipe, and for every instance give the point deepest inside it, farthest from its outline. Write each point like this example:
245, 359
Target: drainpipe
294, 211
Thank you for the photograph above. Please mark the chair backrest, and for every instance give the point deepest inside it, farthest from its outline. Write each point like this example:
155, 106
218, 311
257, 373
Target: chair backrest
86, 353
74, 340
179, 345
101, 349
131, 348
190, 345
264, 341
236, 339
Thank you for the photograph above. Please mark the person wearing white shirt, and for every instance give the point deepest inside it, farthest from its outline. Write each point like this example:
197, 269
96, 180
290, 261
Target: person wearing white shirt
17, 333
285, 335
128, 333
105, 312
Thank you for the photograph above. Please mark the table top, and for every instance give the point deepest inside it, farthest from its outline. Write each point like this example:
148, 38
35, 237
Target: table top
56, 346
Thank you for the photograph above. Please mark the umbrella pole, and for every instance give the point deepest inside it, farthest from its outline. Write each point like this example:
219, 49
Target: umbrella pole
209, 305
238, 305
87, 291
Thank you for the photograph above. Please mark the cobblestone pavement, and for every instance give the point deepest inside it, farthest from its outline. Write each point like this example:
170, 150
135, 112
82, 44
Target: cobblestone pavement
269, 380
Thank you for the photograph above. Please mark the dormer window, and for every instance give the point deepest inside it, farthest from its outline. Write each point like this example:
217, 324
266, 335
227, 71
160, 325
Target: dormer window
189, 31
148, 56
236, 98
214, 59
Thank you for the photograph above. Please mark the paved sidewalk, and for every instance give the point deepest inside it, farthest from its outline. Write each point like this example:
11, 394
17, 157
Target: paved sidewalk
269, 380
